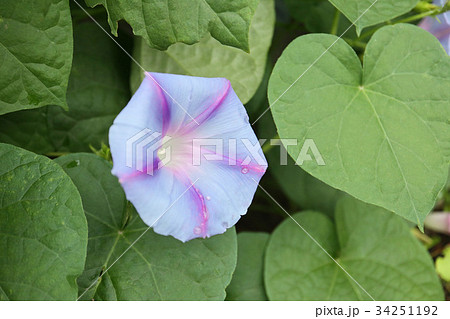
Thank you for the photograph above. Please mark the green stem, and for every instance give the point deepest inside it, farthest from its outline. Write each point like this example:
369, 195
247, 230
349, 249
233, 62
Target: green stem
423, 6
356, 44
422, 237
412, 18
267, 146
56, 154
367, 34
335, 24
419, 16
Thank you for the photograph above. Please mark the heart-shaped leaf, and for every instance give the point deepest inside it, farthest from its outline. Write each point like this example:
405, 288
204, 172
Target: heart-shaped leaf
209, 58
35, 53
247, 282
162, 23
383, 129
43, 231
375, 247
364, 13
97, 92
154, 268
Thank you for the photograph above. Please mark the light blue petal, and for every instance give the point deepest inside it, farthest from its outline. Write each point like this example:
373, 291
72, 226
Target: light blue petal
446, 43
167, 203
445, 15
188, 97
230, 124
145, 109
227, 192
123, 136
439, 26
143, 112
228, 185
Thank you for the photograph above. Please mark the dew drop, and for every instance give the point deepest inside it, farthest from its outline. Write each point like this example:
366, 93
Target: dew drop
244, 170
208, 198
225, 224
197, 230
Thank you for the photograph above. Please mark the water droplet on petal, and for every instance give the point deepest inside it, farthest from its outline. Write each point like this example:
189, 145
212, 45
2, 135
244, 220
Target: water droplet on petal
225, 224
244, 170
197, 230
208, 198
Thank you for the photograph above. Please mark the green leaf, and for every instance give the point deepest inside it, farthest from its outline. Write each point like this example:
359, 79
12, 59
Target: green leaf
209, 58
375, 247
156, 267
43, 233
162, 23
247, 282
36, 53
383, 129
364, 13
444, 196
27, 129
98, 90
316, 15
443, 264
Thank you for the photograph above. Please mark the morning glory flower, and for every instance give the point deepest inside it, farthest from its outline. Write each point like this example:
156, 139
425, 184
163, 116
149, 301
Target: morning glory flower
186, 155
439, 26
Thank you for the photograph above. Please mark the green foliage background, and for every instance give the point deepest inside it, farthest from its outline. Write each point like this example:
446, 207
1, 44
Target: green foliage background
360, 79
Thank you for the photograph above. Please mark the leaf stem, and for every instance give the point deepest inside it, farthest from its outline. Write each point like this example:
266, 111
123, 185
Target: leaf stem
413, 18
356, 44
419, 16
335, 24
56, 154
422, 237
268, 146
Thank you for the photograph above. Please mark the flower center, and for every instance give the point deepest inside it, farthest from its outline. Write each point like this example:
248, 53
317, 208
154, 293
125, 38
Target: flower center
176, 152
164, 151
